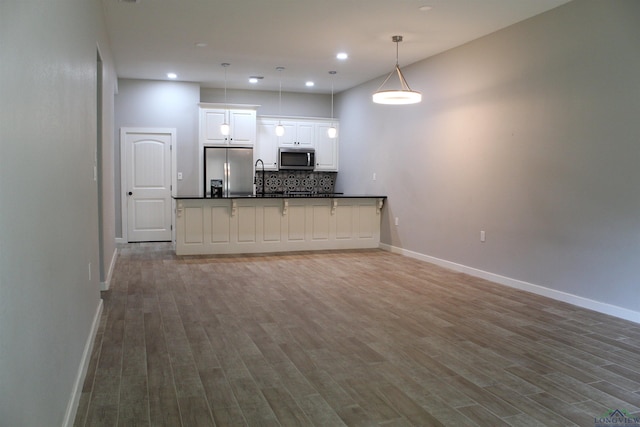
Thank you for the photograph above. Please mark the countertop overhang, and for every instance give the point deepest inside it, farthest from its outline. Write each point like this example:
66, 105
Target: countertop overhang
286, 196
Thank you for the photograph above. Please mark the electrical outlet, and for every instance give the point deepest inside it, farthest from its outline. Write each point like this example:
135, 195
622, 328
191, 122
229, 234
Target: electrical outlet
374, 178
482, 236
179, 176
396, 221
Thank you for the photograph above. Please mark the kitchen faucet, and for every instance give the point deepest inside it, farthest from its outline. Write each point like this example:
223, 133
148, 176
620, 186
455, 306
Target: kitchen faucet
254, 178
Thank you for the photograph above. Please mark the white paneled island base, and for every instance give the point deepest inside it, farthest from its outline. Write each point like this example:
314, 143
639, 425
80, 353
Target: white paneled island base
255, 225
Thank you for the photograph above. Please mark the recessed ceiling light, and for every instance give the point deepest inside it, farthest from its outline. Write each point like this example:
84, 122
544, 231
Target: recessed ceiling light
172, 75
201, 44
309, 84
425, 8
342, 55
255, 79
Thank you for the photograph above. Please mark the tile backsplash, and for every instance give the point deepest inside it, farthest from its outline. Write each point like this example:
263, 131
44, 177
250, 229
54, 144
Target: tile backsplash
290, 181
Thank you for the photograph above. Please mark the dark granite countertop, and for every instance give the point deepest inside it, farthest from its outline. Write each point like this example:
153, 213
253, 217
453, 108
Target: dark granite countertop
288, 196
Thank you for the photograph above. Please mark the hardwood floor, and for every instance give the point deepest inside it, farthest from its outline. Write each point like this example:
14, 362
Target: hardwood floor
357, 338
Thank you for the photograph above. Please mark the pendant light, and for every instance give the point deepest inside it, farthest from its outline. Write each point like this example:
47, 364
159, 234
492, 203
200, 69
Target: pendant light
404, 95
224, 127
332, 132
280, 128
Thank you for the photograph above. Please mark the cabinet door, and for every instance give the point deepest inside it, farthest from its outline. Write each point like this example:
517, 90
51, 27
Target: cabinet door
266, 147
289, 138
297, 134
326, 148
305, 134
210, 121
243, 127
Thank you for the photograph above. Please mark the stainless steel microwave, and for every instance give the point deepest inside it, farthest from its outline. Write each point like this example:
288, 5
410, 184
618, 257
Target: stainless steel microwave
296, 158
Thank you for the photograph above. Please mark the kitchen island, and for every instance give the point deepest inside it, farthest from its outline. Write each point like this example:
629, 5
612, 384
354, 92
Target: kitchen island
277, 223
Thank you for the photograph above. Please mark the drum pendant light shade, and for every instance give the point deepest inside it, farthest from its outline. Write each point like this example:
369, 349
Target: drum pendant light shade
401, 96
225, 129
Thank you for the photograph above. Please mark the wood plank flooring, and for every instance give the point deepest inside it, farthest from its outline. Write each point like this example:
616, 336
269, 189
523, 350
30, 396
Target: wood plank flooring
356, 338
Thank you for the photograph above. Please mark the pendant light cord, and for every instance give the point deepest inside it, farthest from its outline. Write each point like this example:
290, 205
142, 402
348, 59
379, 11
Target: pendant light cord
332, 100
333, 73
225, 65
280, 128
280, 96
397, 49
280, 69
224, 127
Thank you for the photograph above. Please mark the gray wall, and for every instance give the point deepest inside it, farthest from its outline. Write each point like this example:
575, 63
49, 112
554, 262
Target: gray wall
161, 104
49, 208
293, 104
530, 134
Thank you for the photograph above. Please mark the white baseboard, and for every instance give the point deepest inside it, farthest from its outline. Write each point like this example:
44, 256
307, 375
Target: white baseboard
121, 240
74, 400
104, 286
576, 300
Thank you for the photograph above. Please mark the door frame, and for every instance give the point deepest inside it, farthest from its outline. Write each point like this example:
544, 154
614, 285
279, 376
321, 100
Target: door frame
124, 209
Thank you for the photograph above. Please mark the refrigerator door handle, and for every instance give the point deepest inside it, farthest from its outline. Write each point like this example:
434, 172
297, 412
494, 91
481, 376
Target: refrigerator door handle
229, 179
225, 186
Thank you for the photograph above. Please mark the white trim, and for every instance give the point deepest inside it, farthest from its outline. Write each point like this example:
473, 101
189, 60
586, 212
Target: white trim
104, 286
228, 106
299, 118
600, 307
74, 399
124, 206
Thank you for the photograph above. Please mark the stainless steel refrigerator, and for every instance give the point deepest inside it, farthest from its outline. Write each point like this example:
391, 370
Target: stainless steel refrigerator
228, 169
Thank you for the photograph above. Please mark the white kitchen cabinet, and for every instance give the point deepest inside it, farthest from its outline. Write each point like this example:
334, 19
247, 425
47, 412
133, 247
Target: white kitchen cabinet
326, 148
261, 225
242, 123
266, 147
297, 134
304, 133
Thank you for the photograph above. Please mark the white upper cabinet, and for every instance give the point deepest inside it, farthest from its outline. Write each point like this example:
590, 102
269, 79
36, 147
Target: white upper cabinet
266, 147
326, 148
243, 127
242, 123
297, 134
210, 121
303, 133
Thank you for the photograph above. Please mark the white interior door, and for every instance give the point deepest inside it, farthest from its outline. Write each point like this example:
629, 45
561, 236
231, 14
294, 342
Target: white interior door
148, 184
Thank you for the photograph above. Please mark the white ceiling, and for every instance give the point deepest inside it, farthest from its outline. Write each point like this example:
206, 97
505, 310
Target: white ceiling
152, 37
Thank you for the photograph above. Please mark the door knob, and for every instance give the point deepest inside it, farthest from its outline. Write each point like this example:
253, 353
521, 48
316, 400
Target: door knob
130, 193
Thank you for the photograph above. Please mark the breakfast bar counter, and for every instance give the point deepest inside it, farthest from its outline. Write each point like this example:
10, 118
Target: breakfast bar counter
277, 223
